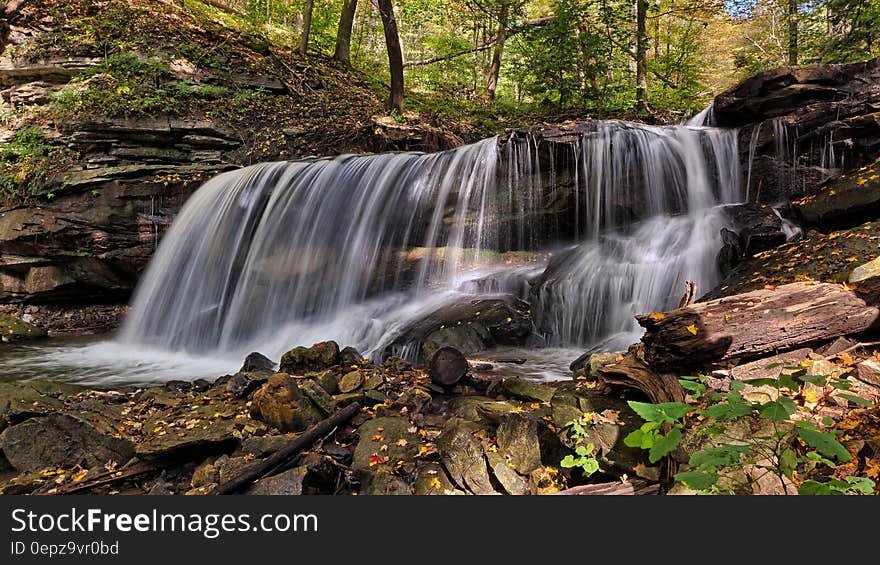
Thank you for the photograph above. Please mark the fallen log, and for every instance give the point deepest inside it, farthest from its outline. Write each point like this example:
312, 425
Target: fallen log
758, 323
629, 488
632, 372
277, 460
448, 365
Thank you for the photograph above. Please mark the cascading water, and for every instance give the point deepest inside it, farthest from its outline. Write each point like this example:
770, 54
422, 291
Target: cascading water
356, 247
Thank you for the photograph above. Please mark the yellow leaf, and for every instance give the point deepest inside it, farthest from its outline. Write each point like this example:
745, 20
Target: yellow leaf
657, 316
692, 328
77, 477
436, 484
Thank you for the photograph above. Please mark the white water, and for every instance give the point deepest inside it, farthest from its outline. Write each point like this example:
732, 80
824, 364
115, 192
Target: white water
284, 254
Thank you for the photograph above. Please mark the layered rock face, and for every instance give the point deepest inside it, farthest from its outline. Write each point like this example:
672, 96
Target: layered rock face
802, 125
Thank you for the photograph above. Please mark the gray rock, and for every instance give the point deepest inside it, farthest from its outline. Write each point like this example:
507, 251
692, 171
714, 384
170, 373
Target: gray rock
257, 362
517, 439
282, 404
393, 433
512, 482
462, 455
528, 390
61, 440
288, 483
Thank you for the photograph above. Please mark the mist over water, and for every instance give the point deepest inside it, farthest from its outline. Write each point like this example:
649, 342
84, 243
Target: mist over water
357, 247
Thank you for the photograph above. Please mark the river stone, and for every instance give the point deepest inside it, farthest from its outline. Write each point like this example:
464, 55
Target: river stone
327, 380
205, 474
394, 433
465, 338
343, 400
318, 396
384, 483
373, 380
288, 483
242, 384
351, 381
517, 438
257, 362
865, 271
282, 404
462, 455
19, 401
13, 329
528, 390
262, 446
506, 475
431, 479
61, 440
231, 468
316, 358
480, 408
349, 356
869, 372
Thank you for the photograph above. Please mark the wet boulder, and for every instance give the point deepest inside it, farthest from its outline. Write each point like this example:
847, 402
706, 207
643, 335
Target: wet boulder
282, 404
62, 440
469, 326
14, 329
349, 356
517, 439
287, 483
843, 202
588, 364
318, 357
462, 455
527, 390
241, 385
257, 362
385, 442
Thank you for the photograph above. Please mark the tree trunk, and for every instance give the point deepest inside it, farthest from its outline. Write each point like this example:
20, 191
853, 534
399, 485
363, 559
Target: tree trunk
395, 55
448, 365
343, 34
792, 32
500, 38
307, 28
758, 323
641, 55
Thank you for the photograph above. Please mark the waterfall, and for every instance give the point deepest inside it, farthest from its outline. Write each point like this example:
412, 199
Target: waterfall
351, 248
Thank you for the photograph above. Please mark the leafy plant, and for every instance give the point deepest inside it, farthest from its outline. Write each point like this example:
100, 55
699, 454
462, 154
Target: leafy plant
584, 452
785, 447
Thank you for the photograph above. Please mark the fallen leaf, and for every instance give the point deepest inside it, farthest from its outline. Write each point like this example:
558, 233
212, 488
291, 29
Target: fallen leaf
692, 329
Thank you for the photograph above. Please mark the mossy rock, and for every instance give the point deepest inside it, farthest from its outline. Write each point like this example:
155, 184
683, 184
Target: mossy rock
385, 437
301, 360
13, 329
281, 403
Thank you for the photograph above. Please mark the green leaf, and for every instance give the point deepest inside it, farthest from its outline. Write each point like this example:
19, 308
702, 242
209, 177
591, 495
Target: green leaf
639, 438
590, 466
777, 410
814, 488
717, 457
773, 365
818, 380
727, 411
788, 463
862, 485
825, 443
827, 421
737, 386
697, 480
764, 382
840, 384
662, 412
664, 446
854, 398
568, 462
787, 381
697, 388
584, 450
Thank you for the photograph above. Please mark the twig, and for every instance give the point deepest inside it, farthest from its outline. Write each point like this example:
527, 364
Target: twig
281, 457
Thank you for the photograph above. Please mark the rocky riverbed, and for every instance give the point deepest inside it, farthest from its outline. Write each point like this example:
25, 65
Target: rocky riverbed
487, 434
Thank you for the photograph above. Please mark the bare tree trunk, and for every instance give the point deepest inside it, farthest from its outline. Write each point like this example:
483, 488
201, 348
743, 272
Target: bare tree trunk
307, 28
500, 38
343, 34
641, 56
792, 32
395, 55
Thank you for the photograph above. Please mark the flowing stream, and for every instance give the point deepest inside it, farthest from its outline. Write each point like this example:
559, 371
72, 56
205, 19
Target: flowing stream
354, 248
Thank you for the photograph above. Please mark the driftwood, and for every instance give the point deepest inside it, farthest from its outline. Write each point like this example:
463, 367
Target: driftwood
758, 323
448, 365
629, 488
632, 372
107, 478
280, 458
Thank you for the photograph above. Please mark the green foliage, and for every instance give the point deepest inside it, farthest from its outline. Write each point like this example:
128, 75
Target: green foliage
132, 84
584, 451
779, 445
26, 159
